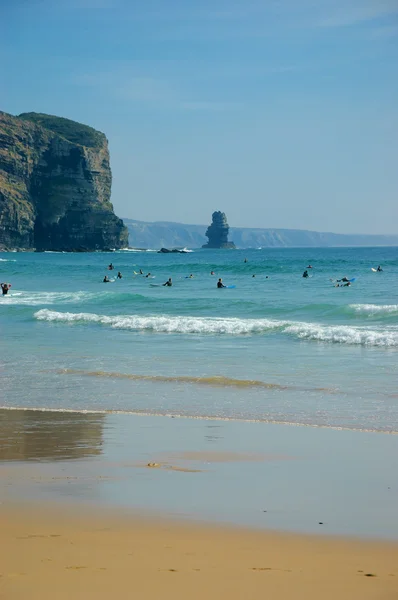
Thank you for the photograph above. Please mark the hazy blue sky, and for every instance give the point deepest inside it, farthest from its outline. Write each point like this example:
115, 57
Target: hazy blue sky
282, 113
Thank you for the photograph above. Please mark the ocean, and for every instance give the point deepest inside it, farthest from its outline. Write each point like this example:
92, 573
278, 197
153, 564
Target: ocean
277, 348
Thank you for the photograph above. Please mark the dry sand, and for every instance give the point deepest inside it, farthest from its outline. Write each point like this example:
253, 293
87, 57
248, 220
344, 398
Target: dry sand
60, 554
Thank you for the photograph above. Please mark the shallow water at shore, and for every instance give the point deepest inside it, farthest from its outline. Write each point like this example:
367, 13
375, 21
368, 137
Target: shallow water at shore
277, 348
249, 474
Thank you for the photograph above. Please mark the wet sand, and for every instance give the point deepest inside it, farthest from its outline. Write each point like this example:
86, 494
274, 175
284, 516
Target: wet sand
63, 553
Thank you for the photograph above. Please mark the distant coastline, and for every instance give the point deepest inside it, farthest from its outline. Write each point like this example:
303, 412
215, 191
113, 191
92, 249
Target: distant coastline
146, 235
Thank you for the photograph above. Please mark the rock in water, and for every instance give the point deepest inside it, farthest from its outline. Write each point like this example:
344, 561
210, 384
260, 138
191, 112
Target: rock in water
55, 186
217, 232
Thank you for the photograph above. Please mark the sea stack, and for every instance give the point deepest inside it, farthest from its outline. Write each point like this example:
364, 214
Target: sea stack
217, 232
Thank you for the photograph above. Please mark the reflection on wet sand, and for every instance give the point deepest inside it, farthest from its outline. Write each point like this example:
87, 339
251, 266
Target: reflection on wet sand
33, 435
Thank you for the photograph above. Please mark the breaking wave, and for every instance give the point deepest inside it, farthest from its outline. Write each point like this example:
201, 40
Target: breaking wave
48, 298
375, 309
340, 334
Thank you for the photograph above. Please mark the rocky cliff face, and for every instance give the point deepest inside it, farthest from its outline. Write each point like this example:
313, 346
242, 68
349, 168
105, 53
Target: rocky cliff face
55, 185
217, 232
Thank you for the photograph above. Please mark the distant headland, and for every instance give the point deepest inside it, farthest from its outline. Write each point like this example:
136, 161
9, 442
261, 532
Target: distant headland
144, 234
55, 186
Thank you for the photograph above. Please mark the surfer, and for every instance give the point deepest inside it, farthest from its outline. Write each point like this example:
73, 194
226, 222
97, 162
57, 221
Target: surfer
168, 283
245, 261
344, 279
5, 287
212, 273
305, 274
141, 272
379, 269
253, 275
106, 279
119, 275
343, 284
309, 267
111, 267
148, 275
220, 284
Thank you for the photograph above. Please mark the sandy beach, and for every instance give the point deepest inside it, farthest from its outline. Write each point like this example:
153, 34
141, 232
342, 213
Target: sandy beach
63, 554
100, 506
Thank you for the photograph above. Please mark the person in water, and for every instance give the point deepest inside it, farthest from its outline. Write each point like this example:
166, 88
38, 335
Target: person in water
309, 267
148, 275
343, 284
212, 273
5, 287
119, 275
305, 274
141, 272
220, 284
245, 261
191, 276
169, 283
253, 275
111, 267
106, 279
344, 279
379, 269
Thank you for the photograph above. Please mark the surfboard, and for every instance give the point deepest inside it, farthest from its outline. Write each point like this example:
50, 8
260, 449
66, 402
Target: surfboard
157, 285
374, 270
230, 287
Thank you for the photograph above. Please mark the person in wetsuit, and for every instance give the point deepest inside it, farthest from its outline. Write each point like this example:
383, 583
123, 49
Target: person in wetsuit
305, 274
111, 267
344, 279
106, 279
220, 284
379, 269
119, 275
4, 288
168, 283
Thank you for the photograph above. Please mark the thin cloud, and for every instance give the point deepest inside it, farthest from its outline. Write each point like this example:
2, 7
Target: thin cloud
359, 12
149, 91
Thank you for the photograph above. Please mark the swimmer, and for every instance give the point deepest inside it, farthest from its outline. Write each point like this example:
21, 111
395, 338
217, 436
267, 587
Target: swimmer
5, 288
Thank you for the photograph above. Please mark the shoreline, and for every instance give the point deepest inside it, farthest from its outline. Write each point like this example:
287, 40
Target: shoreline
263, 476
169, 415
76, 553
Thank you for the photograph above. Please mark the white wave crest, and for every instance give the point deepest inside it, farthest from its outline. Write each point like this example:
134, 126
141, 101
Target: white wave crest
166, 324
375, 309
40, 298
7, 260
341, 334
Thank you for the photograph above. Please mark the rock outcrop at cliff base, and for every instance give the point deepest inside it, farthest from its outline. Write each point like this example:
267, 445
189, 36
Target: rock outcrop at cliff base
55, 186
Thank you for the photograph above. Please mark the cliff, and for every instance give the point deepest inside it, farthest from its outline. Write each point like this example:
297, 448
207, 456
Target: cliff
217, 232
144, 234
55, 186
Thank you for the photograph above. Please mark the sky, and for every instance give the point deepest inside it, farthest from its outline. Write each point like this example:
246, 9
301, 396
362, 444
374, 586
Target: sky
282, 113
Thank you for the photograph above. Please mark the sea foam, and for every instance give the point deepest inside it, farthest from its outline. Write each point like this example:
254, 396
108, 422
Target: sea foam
375, 309
341, 334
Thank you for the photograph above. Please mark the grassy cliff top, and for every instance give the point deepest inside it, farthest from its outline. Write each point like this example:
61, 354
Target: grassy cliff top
70, 130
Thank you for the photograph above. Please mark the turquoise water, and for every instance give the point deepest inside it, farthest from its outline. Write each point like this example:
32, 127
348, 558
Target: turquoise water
277, 349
